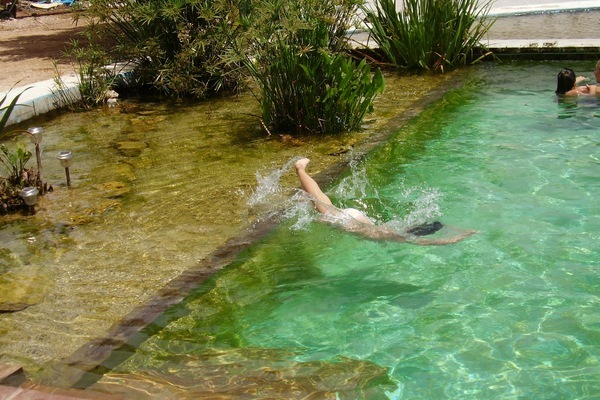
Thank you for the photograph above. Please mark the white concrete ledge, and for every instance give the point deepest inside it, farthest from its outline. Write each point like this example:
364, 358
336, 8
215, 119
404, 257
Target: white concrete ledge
545, 43
499, 9
45, 96
39, 98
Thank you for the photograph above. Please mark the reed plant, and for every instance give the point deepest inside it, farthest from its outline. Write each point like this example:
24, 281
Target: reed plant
429, 34
177, 45
307, 81
95, 77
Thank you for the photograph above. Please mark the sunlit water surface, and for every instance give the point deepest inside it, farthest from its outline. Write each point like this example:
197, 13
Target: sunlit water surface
509, 313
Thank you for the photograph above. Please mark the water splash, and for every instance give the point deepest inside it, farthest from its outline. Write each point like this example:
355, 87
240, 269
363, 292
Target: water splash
419, 204
301, 210
269, 189
270, 198
357, 184
416, 204
422, 205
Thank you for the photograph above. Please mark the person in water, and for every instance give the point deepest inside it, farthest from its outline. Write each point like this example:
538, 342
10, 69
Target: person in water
356, 221
567, 84
595, 89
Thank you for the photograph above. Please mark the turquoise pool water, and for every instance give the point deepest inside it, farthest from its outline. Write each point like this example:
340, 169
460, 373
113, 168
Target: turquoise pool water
512, 312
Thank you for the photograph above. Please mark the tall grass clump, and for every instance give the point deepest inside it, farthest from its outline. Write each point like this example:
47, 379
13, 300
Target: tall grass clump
177, 46
429, 34
307, 82
96, 77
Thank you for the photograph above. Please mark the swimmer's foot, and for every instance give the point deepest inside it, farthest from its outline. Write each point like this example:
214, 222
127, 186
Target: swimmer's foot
301, 164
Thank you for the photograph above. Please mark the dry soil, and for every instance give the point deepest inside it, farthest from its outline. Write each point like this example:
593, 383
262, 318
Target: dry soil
31, 44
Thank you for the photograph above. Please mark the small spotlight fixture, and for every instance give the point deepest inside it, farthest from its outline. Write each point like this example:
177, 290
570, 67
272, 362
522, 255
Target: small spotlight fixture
30, 196
66, 158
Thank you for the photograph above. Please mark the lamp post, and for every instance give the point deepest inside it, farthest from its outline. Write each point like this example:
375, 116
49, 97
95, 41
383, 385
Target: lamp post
29, 195
65, 158
36, 138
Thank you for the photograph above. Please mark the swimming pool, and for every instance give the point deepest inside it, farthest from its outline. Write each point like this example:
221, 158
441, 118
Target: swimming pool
511, 312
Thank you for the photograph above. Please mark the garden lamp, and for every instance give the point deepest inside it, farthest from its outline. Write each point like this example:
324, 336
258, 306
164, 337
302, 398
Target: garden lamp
36, 133
65, 158
36, 138
30, 195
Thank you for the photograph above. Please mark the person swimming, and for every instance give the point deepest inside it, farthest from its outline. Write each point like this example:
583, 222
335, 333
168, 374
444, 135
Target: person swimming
353, 220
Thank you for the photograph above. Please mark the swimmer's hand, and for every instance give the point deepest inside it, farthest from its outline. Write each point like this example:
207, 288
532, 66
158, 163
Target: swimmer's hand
442, 241
592, 89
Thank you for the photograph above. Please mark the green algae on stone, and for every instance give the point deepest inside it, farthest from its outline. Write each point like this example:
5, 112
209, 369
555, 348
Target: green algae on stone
21, 287
130, 148
113, 189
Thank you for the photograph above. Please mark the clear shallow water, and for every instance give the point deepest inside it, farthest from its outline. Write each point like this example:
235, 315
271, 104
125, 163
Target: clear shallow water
509, 313
156, 190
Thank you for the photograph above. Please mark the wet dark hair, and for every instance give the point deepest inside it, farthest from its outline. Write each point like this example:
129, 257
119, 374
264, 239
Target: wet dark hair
427, 228
565, 81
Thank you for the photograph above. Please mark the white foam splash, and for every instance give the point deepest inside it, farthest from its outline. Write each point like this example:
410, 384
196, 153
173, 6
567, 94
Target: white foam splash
356, 185
269, 190
422, 204
269, 197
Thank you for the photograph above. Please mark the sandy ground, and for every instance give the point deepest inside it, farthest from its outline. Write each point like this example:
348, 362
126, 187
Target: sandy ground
32, 43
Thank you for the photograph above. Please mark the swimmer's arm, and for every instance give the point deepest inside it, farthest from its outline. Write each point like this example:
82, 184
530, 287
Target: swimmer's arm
375, 232
591, 90
381, 233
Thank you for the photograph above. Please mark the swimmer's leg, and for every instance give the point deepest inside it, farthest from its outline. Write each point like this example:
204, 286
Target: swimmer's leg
322, 201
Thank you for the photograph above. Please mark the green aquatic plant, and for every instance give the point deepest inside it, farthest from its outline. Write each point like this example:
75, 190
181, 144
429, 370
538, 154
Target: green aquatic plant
14, 161
300, 62
429, 34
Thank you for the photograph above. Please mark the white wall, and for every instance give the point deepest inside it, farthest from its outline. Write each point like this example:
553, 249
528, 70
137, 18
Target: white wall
525, 6
501, 7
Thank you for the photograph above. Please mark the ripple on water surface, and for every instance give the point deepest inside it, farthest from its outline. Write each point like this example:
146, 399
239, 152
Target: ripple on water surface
156, 188
508, 313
